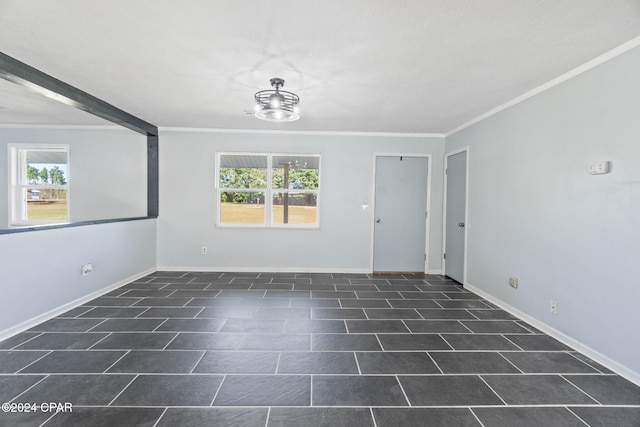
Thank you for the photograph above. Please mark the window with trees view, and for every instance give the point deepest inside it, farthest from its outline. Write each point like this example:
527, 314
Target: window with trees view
39, 184
277, 190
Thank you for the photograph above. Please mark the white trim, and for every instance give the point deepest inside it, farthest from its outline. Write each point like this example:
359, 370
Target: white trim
28, 324
268, 192
616, 367
435, 272
466, 212
227, 269
17, 155
302, 132
428, 206
45, 126
427, 248
623, 48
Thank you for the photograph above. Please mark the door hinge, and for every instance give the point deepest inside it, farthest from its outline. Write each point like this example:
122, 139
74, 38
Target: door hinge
425, 257
426, 214
444, 256
446, 171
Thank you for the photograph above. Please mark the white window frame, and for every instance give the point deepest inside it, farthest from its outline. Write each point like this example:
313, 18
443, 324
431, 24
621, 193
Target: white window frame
268, 192
18, 183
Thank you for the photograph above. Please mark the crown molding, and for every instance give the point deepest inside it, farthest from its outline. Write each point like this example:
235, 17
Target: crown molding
623, 48
301, 132
45, 126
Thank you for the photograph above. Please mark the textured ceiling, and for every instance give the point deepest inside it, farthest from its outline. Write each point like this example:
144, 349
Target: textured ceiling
409, 66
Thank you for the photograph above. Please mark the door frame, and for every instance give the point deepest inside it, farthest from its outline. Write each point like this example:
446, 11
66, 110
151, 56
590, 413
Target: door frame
372, 197
466, 213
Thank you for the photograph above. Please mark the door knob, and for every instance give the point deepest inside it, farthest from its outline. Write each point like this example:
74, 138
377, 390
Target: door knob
461, 224
378, 220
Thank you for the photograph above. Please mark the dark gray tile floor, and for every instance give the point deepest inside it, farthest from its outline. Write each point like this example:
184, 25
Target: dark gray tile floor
268, 349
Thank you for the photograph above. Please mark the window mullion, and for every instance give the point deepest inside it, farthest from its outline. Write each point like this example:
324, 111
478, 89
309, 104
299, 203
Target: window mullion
268, 197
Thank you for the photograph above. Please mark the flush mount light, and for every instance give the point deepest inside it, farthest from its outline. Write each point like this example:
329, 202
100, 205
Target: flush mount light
277, 105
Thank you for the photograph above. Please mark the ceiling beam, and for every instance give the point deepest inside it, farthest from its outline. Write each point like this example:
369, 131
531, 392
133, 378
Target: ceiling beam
35, 80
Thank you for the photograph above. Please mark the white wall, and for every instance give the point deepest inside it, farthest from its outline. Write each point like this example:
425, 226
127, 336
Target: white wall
343, 242
534, 212
41, 271
107, 169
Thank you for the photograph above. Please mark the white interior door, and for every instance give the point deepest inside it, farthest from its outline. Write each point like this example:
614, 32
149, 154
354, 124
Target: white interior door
456, 170
400, 214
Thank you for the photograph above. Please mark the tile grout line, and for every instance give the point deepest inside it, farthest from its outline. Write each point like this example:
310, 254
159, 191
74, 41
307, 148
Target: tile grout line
507, 338
475, 416
170, 341
582, 361
107, 335
494, 392
402, 389
218, 390
373, 418
48, 419
266, 422
32, 386
19, 371
577, 416
161, 323
95, 326
446, 342
38, 334
563, 376
161, 415
379, 342
135, 377
355, 356
434, 362
114, 363
510, 362
204, 352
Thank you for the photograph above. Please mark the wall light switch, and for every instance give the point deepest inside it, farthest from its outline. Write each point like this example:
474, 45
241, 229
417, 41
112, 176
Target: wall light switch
597, 168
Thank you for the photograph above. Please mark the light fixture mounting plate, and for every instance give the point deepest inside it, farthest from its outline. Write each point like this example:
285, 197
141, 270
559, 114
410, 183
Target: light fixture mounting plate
277, 82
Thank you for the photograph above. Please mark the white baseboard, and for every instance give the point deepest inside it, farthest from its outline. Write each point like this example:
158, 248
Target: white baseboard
267, 270
605, 361
278, 270
14, 330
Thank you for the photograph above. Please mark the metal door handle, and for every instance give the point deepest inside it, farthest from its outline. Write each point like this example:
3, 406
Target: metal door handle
461, 224
378, 220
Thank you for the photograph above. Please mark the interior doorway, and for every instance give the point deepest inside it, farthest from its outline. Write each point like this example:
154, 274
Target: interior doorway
455, 227
400, 213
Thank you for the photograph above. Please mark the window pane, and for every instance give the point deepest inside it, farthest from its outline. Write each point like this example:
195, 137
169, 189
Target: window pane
241, 207
243, 171
47, 204
46, 167
295, 208
295, 172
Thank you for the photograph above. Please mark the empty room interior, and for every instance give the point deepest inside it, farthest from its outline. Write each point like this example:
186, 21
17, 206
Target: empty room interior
299, 213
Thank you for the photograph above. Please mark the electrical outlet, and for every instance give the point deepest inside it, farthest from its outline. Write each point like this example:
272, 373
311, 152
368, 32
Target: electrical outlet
554, 307
87, 268
513, 282
204, 250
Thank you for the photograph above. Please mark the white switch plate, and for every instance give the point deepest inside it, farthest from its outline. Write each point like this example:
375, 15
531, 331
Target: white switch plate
597, 168
87, 268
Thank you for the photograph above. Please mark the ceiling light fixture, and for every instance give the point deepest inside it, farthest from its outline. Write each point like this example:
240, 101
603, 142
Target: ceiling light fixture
277, 105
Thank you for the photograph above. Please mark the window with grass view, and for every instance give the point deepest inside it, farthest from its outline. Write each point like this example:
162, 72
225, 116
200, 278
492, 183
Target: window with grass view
278, 190
40, 187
